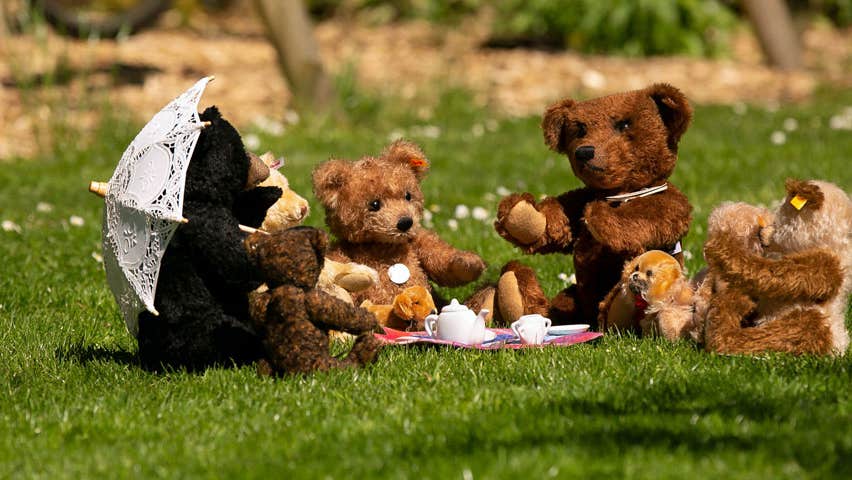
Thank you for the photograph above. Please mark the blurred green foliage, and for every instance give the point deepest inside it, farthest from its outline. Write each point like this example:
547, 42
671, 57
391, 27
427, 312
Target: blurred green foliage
627, 27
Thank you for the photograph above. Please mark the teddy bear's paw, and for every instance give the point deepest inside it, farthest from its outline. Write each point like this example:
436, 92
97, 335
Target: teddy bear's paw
510, 302
357, 278
524, 223
365, 349
466, 267
264, 368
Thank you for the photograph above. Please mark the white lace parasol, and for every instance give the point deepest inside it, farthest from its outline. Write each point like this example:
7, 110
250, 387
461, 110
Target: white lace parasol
144, 203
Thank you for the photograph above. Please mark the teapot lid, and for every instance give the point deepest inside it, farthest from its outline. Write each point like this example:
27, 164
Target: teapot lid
454, 306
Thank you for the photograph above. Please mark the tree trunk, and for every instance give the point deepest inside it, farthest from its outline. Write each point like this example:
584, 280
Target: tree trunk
290, 31
774, 27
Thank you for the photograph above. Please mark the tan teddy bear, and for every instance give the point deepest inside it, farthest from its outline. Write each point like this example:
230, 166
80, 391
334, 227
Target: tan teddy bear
654, 297
788, 292
374, 206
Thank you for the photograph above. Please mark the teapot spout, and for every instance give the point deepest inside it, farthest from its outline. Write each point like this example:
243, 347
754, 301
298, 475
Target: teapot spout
483, 315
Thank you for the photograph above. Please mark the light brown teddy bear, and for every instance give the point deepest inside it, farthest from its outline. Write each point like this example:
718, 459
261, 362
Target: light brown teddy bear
654, 297
374, 206
623, 147
336, 279
408, 311
787, 294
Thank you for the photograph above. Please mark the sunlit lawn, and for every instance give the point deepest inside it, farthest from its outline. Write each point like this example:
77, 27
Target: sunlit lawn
73, 402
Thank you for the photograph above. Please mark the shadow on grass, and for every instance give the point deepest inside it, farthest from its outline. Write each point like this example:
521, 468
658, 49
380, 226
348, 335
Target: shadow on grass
78, 352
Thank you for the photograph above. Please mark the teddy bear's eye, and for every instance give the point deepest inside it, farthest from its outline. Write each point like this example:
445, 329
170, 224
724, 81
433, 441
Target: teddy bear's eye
622, 125
649, 273
408, 196
636, 269
375, 205
581, 129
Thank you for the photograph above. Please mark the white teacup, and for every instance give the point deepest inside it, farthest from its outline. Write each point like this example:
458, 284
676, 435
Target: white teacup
531, 329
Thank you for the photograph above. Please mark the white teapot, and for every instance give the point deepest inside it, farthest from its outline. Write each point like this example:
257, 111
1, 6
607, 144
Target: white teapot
457, 323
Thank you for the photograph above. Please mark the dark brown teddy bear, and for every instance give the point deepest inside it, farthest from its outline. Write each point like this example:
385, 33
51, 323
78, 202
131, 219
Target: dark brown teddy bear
293, 318
619, 146
373, 207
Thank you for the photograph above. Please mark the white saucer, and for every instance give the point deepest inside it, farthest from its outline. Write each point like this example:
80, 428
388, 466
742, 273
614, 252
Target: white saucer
567, 329
489, 335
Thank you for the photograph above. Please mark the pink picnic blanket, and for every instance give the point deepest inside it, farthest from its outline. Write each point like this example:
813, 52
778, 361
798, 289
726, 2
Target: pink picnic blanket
505, 339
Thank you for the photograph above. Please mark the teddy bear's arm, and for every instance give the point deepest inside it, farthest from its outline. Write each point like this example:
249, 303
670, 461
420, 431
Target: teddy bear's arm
251, 205
653, 222
445, 264
329, 313
218, 245
811, 275
559, 214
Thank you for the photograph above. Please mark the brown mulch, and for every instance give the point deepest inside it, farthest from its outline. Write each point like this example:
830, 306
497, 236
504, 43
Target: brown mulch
146, 70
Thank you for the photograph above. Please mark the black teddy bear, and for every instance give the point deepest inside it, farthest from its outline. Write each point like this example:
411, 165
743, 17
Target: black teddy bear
206, 273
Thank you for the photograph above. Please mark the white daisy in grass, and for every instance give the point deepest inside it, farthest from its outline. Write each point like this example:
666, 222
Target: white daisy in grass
98, 257
44, 207
778, 137
480, 213
477, 130
10, 226
567, 279
791, 124
461, 212
76, 221
251, 141
395, 135
453, 224
503, 191
291, 117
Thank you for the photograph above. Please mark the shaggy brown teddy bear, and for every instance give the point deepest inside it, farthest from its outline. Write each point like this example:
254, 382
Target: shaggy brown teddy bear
373, 207
623, 147
293, 318
791, 296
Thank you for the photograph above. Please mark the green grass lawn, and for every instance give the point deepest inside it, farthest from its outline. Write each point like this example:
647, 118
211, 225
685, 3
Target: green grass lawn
73, 402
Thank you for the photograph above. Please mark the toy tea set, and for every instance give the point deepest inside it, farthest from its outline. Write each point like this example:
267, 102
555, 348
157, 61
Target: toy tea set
459, 326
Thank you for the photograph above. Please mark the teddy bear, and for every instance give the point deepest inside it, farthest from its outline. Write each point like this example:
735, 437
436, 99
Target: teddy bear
373, 207
206, 274
654, 298
293, 317
623, 147
789, 291
407, 312
336, 278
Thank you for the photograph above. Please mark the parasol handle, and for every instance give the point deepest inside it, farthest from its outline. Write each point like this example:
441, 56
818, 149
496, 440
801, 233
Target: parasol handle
247, 229
99, 188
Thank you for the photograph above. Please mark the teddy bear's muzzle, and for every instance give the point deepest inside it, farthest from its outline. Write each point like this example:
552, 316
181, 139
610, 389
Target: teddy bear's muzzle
637, 284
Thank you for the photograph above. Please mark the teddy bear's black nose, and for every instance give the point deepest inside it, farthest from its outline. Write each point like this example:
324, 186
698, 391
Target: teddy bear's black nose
404, 223
585, 153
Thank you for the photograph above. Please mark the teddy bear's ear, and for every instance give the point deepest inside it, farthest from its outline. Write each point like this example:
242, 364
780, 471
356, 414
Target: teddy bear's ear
328, 178
409, 154
674, 109
553, 124
801, 193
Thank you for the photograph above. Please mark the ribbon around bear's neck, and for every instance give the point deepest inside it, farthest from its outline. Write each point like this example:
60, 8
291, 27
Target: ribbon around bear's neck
626, 197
